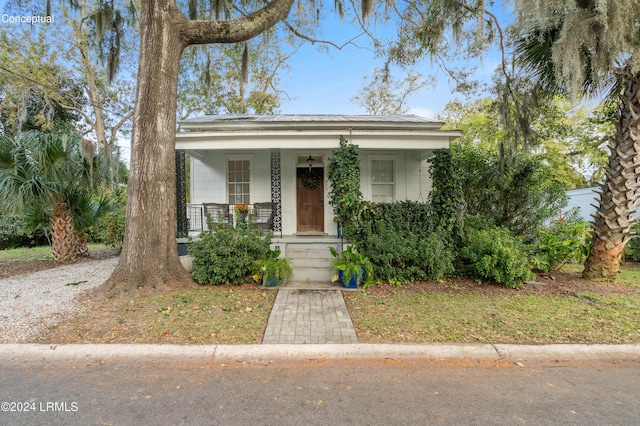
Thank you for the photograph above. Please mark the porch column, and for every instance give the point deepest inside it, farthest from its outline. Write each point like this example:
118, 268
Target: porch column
276, 193
182, 229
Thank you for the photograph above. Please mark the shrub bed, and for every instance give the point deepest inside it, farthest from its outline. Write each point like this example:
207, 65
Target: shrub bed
226, 254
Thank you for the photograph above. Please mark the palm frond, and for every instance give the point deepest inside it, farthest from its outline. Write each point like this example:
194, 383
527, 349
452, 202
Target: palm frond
36, 168
36, 218
534, 55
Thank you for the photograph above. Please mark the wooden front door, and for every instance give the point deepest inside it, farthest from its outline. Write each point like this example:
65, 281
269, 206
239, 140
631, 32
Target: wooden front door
310, 196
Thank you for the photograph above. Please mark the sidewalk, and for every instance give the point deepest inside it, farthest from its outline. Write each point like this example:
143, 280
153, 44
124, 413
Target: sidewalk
309, 316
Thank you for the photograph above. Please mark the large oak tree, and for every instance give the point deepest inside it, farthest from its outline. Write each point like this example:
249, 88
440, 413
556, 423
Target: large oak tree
149, 256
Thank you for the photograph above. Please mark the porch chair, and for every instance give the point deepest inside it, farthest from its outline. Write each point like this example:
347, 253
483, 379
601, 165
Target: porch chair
217, 211
264, 215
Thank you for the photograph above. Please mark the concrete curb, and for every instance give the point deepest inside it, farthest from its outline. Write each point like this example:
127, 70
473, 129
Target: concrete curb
579, 352
265, 353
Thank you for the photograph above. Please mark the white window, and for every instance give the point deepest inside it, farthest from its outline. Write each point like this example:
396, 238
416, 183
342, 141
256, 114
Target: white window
382, 181
238, 181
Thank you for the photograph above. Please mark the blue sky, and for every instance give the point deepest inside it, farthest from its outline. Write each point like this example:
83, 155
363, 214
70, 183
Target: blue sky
324, 82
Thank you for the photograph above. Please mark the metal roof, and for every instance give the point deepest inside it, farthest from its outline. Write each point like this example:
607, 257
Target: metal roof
308, 117
311, 131
308, 121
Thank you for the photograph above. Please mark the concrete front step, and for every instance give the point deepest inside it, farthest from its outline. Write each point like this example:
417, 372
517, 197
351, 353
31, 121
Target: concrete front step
304, 251
323, 274
310, 260
297, 262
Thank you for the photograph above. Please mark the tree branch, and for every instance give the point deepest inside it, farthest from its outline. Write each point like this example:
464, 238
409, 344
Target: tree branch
281, 61
594, 145
84, 115
235, 30
116, 127
313, 41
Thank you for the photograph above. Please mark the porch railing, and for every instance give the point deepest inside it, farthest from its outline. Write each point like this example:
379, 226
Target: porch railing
197, 215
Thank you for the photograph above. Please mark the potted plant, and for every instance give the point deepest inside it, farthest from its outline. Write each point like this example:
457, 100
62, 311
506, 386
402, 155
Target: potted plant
273, 270
352, 267
242, 211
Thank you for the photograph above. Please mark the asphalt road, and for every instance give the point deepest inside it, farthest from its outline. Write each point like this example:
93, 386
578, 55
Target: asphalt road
322, 392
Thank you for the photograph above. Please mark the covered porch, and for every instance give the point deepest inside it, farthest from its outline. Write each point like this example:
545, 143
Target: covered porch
277, 165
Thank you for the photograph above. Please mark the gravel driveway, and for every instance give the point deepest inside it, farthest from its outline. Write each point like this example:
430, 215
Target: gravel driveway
32, 302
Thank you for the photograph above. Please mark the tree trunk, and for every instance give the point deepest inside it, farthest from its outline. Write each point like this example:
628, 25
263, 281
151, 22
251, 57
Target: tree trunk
79, 31
63, 239
619, 192
149, 257
82, 250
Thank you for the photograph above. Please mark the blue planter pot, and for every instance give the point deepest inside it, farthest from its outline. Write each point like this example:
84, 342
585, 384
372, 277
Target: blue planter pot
353, 282
271, 281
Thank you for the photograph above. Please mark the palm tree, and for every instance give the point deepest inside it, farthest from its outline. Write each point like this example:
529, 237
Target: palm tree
52, 178
583, 49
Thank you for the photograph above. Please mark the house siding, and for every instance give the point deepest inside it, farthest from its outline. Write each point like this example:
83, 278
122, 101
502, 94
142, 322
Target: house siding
208, 179
411, 170
209, 176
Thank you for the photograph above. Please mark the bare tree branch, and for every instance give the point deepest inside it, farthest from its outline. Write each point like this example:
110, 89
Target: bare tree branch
330, 43
116, 127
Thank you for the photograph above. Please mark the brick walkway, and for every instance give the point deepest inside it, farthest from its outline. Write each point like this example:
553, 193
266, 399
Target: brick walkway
309, 316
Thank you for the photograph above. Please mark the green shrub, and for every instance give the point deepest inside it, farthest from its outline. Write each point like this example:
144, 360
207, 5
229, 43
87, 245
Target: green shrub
226, 254
519, 193
438, 257
109, 228
399, 240
446, 197
632, 251
495, 254
15, 233
564, 241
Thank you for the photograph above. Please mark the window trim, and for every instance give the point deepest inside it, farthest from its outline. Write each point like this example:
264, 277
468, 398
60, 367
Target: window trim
229, 158
394, 162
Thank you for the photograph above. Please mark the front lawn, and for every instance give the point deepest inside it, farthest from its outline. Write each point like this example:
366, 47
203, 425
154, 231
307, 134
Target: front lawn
203, 315
562, 309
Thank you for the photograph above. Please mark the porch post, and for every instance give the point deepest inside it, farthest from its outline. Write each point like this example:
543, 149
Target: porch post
182, 229
276, 197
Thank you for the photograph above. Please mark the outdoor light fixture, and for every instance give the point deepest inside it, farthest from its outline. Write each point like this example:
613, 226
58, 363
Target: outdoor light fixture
310, 161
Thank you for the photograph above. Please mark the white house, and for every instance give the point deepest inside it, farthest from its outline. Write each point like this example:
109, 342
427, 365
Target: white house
277, 165
584, 200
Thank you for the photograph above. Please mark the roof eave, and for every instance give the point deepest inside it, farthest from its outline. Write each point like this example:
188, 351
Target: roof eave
235, 126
